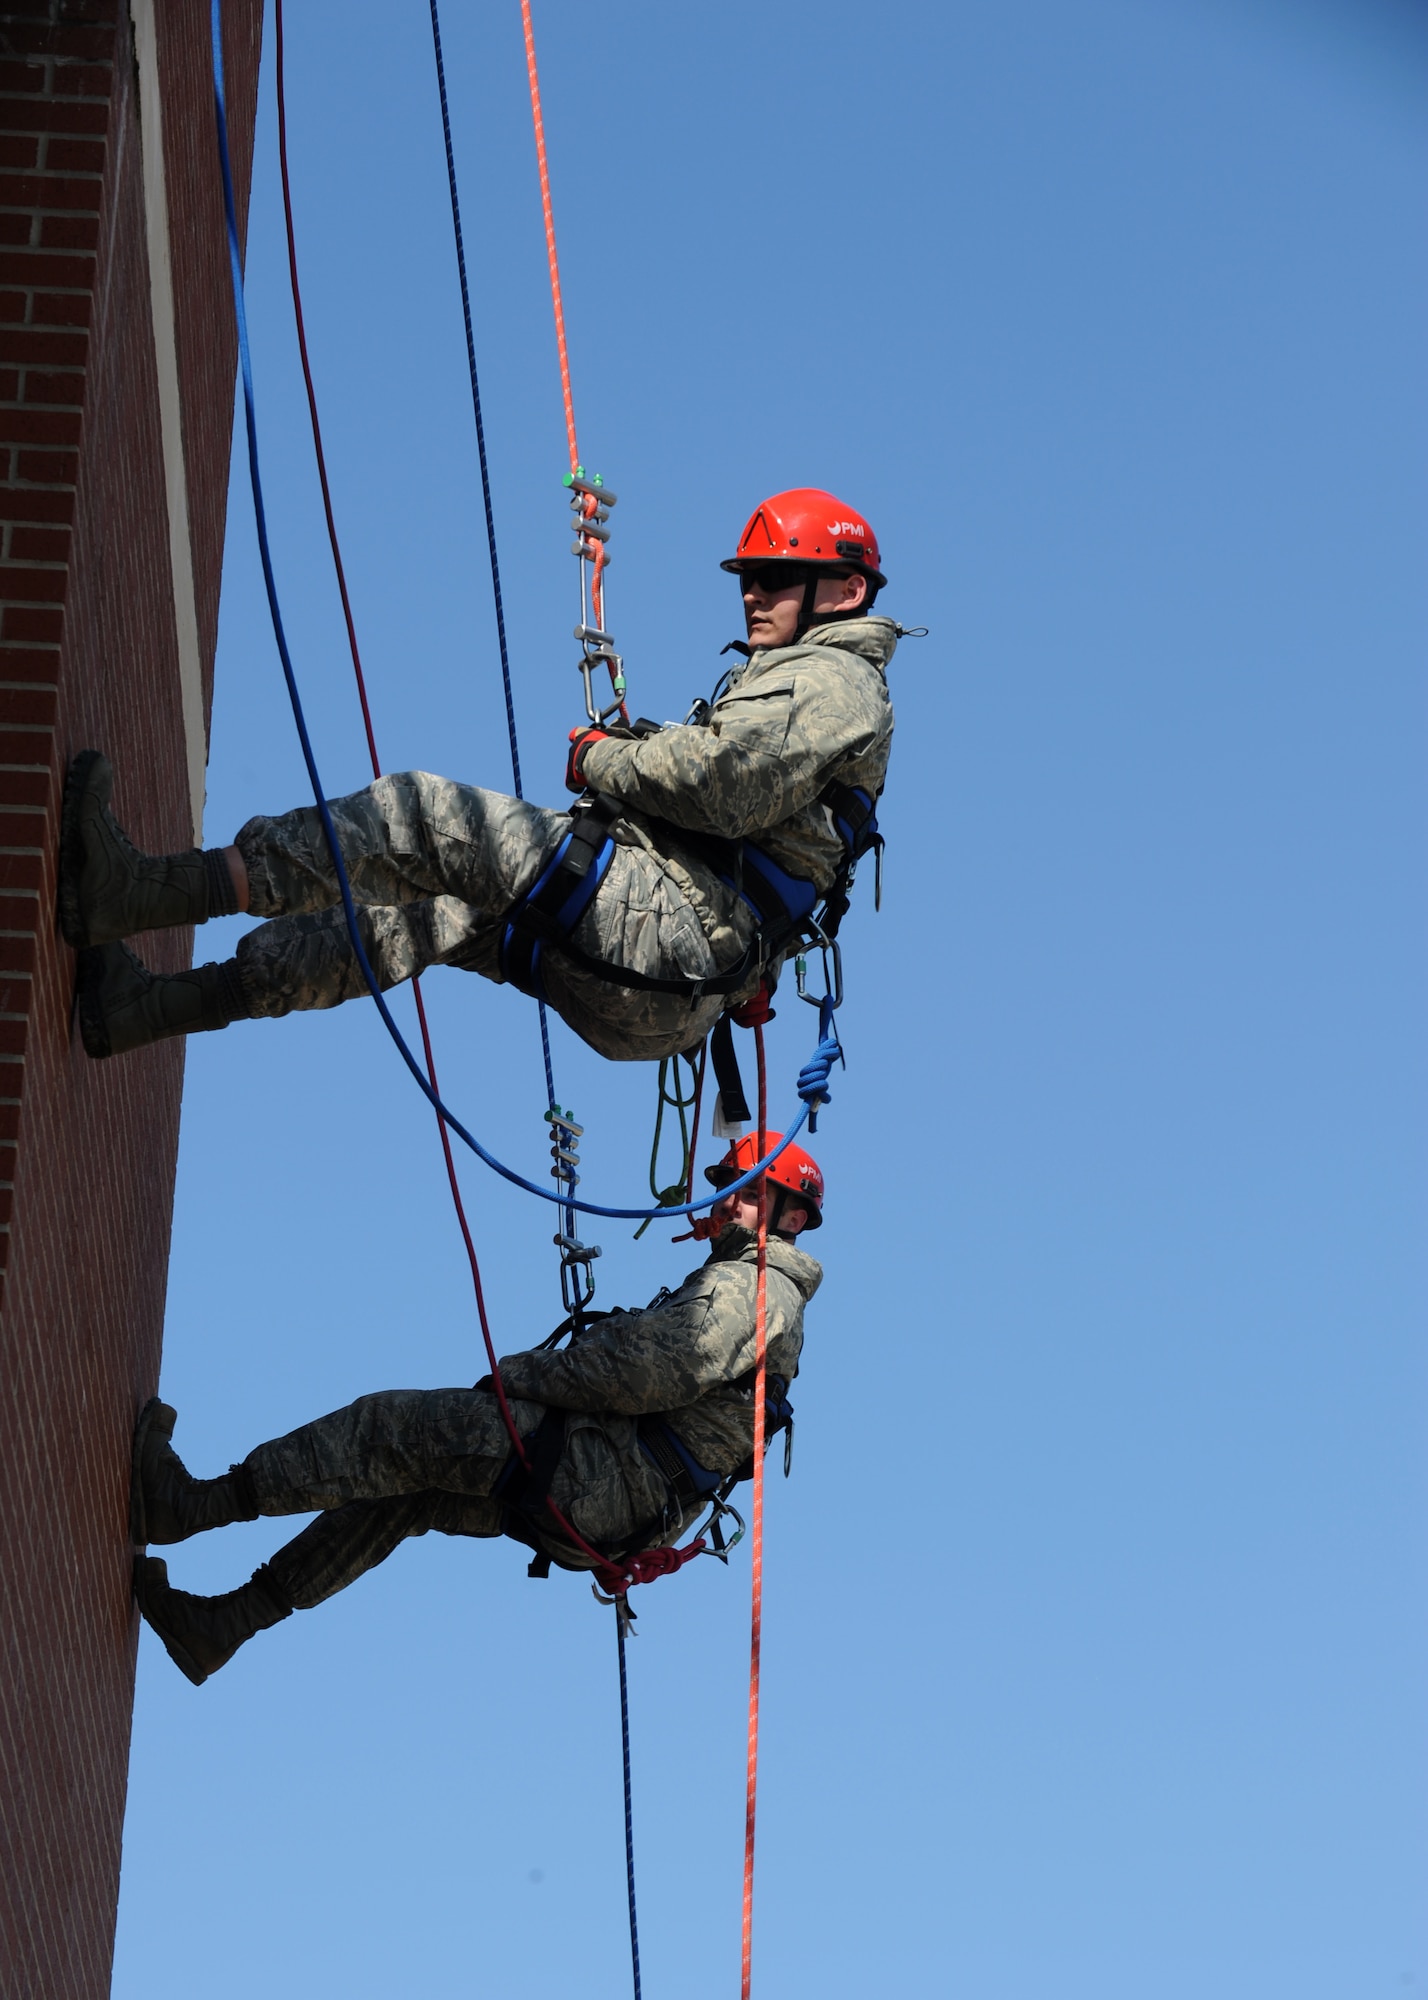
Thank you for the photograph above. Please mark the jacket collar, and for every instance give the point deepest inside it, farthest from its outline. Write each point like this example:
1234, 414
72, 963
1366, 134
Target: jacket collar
872, 639
733, 1243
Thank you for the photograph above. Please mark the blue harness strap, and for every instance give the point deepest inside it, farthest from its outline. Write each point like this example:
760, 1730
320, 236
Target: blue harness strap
561, 894
783, 904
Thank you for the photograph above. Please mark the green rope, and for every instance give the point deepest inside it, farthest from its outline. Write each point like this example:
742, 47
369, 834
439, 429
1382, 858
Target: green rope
672, 1100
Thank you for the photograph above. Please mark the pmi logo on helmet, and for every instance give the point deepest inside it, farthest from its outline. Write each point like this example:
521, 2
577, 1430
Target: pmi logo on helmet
848, 528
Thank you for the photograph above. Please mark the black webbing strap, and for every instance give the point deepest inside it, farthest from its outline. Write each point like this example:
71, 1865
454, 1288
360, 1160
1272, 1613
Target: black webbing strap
527, 1487
732, 1101
855, 815
563, 891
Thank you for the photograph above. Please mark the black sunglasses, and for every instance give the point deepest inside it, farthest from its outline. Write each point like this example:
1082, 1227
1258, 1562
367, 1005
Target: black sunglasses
775, 576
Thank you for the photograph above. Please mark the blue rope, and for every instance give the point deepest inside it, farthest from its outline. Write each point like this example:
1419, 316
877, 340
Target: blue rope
813, 1077
485, 480
817, 1092
629, 1804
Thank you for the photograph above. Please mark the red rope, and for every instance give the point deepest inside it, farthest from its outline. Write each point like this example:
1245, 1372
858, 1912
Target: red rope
756, 1531
616, 1577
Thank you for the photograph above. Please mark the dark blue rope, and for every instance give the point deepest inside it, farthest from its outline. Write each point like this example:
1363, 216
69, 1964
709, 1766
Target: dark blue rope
485, 480
560, 1200
629, 1805
476, 405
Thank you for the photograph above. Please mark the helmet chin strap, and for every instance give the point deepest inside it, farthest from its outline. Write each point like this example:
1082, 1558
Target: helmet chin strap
808, 616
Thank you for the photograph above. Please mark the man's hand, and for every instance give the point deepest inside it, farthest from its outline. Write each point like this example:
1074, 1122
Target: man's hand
580, 741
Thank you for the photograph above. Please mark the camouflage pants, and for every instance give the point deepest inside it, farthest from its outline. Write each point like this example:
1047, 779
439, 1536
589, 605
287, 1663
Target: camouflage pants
408, 1461
434, 867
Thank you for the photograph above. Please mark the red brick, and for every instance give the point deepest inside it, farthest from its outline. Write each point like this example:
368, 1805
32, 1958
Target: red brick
19, 871
48, 468
16, 227
69, 232
57, 308
27, 666
83, 80
57, 386
23, 751
20, 912
14, 306
17, 954
75, 42
26, 622
16, 77
80, 192
39, 544
48, 268
36, 503
16, 992
9, 385
22, 583
45, 349
49, 427
21, 825
18, 151
74, 156
48, 114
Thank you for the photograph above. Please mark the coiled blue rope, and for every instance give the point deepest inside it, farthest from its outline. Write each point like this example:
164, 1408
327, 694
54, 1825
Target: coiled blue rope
814, 1094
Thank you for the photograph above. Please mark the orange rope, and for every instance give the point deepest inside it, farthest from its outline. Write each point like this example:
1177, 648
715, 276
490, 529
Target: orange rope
597, 578
756, 1541
553, 261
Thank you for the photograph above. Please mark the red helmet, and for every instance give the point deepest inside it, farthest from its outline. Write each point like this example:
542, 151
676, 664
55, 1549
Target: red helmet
807, 525
793, 1170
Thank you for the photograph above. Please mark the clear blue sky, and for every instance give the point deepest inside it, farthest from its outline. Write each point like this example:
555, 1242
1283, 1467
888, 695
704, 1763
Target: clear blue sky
1095, 1637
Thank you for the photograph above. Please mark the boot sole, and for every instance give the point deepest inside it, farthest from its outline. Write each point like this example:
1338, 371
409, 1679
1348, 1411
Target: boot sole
88, 988
72, 926
144, 1566
155, 1416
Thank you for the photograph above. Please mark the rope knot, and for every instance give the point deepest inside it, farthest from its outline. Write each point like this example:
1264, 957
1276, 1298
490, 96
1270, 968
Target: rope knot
616, 1578
813, 1077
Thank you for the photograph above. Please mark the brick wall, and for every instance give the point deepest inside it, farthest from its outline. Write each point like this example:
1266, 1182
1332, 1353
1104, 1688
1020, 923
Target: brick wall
88, 655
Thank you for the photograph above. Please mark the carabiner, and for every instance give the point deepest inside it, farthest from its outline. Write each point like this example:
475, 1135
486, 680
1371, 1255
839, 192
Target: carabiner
832, 978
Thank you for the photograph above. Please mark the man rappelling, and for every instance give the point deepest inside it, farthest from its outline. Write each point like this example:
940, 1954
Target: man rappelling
697, 857
630, 1431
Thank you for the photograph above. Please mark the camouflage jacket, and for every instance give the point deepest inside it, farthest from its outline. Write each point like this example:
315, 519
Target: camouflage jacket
683, 1357
790, 721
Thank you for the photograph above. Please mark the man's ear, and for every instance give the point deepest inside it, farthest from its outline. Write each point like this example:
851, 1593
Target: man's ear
854, 596
793, 1221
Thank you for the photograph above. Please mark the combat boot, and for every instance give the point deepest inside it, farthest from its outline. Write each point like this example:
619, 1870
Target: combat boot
201, 1634
166, 1502
108, 889
124, 1006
